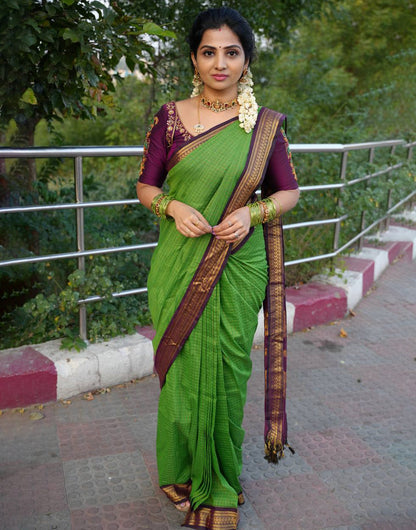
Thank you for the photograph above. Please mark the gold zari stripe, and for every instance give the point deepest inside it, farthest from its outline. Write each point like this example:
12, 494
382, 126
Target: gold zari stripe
177, 493
212, 518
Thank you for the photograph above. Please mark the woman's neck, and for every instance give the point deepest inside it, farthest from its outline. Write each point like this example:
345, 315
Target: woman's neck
220, 95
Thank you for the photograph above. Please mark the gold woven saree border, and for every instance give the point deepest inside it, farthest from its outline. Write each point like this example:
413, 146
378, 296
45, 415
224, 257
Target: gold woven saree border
212, 518
177, 493
275, 352
213, 262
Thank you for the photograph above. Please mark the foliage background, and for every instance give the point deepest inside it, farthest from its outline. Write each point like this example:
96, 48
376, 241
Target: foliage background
342, 72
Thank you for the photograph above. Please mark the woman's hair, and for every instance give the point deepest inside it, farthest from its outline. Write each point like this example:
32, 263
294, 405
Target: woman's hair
214, 18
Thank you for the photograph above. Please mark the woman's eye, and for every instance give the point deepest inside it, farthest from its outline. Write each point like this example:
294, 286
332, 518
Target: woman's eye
233, 53
208, 53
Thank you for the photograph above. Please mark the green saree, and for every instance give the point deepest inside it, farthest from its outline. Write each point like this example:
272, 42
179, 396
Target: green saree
204, 297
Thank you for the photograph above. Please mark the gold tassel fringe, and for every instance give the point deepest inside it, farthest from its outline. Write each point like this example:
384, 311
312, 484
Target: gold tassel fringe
273, 451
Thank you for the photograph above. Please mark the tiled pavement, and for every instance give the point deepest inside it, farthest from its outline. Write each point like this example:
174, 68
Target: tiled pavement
90, 464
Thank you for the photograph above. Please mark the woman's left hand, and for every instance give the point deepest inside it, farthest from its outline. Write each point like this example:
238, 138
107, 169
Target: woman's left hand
234, 227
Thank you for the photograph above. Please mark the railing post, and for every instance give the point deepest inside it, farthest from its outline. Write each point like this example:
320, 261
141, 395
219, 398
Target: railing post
361, 240
79, 197
410, 152
342, 173
409, 158
389, 194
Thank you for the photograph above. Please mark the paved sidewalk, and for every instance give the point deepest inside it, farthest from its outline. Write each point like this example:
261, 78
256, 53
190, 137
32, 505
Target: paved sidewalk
90, 463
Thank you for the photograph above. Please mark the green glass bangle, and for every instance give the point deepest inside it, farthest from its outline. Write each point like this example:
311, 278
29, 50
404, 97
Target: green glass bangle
156, 202
270, 211
256, 213
160, 203
263, 211
163, 205
279, 213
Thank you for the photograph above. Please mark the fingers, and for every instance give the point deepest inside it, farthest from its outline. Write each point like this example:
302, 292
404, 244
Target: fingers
234, 227
194, 225
189, 222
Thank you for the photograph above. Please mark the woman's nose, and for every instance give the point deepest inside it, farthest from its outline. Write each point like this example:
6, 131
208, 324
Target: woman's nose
220, 61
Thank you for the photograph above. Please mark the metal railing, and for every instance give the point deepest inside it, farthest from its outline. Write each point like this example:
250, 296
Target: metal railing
79, 153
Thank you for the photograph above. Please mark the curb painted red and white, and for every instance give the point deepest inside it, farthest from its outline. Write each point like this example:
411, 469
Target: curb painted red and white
42, 373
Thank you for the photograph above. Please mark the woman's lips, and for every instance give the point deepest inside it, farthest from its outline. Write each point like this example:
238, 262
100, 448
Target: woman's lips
220, 77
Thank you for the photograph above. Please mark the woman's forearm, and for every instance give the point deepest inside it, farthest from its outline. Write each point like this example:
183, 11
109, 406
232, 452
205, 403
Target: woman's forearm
285, 200
147, 193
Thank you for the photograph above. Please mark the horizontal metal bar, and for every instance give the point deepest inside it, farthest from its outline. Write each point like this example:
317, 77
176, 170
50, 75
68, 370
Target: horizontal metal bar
70, 152
310, 259
376, 174
315, 223
339, 185
342, 148
369, 145
321, 187
68, 255
67, 206
128, 292
317, 148
95, 204
94, 151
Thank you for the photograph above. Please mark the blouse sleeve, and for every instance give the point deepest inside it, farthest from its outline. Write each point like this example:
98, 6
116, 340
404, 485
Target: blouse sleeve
281, 174
153, 166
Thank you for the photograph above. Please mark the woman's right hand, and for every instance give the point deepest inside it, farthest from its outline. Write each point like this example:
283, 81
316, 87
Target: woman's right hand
189, 222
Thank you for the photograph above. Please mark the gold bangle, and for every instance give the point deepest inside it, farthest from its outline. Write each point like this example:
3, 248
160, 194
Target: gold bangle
160, 203
276, 201
256, 213
266, 212
156, 201
269, 209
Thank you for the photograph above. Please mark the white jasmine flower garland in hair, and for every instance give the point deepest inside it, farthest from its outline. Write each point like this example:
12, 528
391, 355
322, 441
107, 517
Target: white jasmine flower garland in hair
247, 102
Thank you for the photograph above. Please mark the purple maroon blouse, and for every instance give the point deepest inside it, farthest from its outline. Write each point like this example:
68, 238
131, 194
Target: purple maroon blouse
168, 134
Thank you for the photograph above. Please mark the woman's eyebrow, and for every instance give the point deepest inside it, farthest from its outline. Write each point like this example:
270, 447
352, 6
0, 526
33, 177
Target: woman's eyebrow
224, 47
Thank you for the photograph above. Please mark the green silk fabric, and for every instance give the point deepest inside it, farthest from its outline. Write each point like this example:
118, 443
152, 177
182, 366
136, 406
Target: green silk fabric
201, 404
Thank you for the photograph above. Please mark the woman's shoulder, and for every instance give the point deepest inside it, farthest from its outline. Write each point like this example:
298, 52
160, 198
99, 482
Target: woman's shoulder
166, 108
164, 115
169, 110
174, 105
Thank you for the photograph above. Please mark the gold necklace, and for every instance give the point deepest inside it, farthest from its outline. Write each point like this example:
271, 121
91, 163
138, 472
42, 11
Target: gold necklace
218, 106
215, 106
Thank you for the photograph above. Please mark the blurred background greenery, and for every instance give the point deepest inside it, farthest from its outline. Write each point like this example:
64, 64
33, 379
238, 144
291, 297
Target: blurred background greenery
84, 73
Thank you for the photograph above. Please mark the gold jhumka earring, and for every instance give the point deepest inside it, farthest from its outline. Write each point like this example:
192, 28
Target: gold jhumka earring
198, 84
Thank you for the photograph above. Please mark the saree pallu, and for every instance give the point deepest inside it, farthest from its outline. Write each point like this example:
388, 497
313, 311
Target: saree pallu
208, 318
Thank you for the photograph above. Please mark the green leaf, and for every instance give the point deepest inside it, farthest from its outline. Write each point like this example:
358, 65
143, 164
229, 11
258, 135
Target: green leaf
153, 29
50, 9
131, 62
68, 343
72, 35
97, 5
29, 97
68, 2
28, 40
14, 4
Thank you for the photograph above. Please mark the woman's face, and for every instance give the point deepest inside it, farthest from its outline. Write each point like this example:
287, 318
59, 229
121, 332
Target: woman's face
220, 60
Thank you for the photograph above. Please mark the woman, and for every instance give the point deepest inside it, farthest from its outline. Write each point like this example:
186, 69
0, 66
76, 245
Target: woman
219, 256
